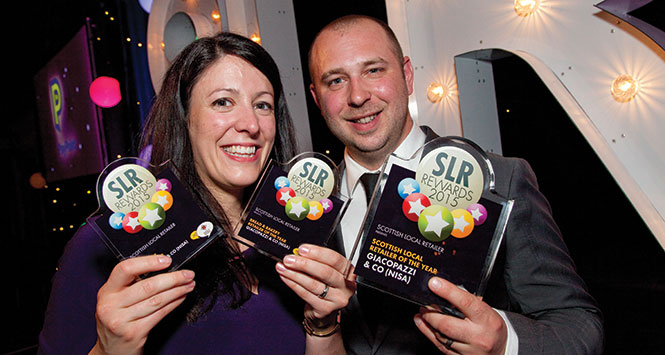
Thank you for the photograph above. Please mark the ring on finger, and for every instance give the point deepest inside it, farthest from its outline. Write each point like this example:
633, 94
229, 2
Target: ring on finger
448, 343
325, 291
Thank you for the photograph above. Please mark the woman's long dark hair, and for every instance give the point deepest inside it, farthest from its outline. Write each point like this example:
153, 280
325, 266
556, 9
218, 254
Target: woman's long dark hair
219, 269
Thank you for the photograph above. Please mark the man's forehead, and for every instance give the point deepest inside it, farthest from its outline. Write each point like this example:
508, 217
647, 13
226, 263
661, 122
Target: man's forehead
342, 32
334, 48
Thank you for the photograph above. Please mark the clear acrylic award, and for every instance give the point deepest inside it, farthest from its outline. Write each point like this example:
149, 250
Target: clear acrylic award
433, 214
294, 203
145, 209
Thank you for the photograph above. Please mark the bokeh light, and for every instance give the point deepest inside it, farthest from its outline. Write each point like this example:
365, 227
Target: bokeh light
105, 91
37, 181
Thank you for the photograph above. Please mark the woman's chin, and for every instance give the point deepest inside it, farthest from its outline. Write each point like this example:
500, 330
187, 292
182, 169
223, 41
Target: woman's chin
243, 182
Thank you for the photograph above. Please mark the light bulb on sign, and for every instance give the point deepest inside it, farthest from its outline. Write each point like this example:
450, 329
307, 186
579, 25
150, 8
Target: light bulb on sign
624, 88
526, 7
436, 92
215, 15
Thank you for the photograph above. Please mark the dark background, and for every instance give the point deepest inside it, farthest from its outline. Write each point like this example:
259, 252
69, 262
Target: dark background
615, 253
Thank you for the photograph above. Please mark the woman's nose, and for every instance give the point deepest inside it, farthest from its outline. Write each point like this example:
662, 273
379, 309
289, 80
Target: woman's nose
247, 121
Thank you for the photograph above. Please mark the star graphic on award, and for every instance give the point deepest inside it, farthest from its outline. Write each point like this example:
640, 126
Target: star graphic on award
163, 198
478, 212
163, 185
312, 210
297, 208
407, 186
282, 181
435, 223
463, 223
151, 216
130, 223
116, 220
315, 210
284, 194
138, 199
413, 205
327, 205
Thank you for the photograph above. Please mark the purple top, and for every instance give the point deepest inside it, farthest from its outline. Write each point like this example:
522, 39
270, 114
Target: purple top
269, 321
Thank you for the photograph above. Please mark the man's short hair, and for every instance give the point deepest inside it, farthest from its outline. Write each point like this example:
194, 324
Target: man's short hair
342, 23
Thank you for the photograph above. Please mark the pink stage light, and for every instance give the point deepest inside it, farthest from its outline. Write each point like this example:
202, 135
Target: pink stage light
105, 91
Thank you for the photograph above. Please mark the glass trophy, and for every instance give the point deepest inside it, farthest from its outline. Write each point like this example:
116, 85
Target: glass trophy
433, 214
294, 203
145, 209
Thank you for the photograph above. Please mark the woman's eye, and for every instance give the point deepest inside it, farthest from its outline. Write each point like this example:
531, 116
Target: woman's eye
264, 106
222, 102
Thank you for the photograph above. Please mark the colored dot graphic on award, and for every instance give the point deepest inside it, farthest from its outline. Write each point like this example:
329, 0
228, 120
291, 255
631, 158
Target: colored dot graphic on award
452, 181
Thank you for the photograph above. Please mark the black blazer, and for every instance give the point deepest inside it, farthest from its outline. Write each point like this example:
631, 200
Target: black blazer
534, 281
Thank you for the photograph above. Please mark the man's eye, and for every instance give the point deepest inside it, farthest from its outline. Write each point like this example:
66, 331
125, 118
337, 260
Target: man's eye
335, 81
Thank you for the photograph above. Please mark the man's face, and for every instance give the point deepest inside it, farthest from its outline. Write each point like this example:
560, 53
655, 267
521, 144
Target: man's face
363, 90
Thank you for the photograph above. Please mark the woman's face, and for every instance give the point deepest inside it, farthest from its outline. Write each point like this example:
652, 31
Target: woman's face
231, 124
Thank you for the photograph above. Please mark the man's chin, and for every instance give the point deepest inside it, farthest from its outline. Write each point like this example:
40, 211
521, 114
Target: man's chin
368, 146
373, 152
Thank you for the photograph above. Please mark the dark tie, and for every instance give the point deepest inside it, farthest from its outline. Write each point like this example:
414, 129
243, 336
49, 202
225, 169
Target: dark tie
370, 299
369, 182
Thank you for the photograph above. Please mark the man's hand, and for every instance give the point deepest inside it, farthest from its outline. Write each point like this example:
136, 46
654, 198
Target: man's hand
483, 331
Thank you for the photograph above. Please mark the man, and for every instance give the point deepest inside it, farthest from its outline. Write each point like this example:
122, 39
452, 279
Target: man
534, 303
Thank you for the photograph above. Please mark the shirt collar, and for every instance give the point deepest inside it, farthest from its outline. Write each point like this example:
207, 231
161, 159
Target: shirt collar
353, 170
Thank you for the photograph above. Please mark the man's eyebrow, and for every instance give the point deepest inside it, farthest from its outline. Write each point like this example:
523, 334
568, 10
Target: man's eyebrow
364, 64
330, 73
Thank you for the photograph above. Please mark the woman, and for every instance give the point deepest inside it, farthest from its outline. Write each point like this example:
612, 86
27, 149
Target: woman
219, 116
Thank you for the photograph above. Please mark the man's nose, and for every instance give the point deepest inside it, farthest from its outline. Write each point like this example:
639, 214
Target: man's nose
358, 93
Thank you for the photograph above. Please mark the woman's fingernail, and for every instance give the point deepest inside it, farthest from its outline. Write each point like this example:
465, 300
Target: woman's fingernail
289, 260
417, 319
435, 283
280, 267
188, 274
163, 259
303, 250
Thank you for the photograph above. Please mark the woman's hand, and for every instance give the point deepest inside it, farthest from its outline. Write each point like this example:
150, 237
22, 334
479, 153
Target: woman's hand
316, 274
128, 308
